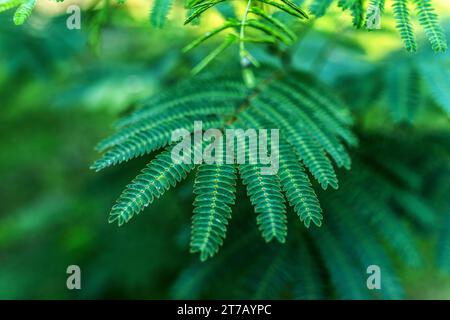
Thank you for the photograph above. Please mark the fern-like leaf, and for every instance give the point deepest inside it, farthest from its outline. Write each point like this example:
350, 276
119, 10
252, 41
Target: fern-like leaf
311, 122
308, 151
297, 187
24, 12
147, 141
403, 91
215, 192
265, 194
346, 4
158, 176
9, 4
215, 91
436, 80
320, 7
159, 13
403, 24
429, 21
311, 117
293, 178
192, 107
327, 103
150, 127
357, 10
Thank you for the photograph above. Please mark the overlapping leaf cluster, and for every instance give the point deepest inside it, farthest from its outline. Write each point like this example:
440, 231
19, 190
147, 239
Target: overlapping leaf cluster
313, 124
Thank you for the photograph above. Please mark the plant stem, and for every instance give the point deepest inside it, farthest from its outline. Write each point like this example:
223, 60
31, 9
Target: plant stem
242, 51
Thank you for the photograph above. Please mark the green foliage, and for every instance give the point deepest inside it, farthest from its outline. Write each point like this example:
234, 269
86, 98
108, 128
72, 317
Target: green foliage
298, 188
159, 175
436, 80
422, 80
353, 230
313, 123
159, 13
307, 278
215, 192
137, 135
403, 90
256, 21
230, 39
146, 141
429, 21
24, 12
378, 3
9, 4
391, 209
409, 86
259, 25
265, 194
343, 273
357, 11
375, 7
337, 253
401, 13
427, 17
319, 7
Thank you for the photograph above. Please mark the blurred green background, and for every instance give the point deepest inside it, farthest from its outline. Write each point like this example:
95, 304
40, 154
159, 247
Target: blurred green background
60, 92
